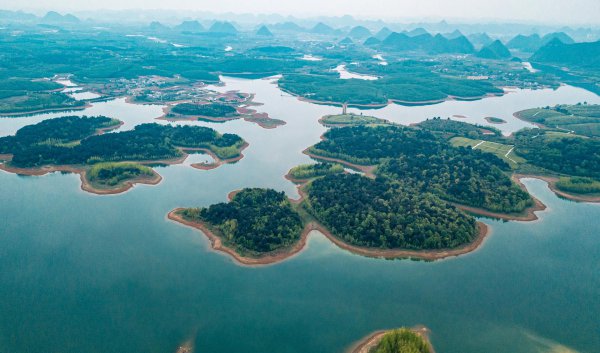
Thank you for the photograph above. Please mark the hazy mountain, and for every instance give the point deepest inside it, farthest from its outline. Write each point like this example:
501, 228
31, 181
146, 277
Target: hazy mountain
287, 26
453, 35
562, 36
585, 54
346, 41
223, 27
55, 17
529, 43
417, 32
432, 44
190, 26
264, 32
480, 39
383, 33
157, 26
321, 28
359, 32
16, 16
372, 41
495, 50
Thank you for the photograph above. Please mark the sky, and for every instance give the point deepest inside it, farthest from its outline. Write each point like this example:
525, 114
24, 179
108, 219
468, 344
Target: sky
539, 11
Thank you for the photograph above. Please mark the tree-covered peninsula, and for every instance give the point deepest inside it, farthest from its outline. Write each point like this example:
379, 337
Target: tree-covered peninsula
427, 162
386, 215
254, 223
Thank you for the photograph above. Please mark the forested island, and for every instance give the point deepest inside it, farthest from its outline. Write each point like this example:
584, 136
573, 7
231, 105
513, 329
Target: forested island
115, 177
401, 340
219, 112
405, 83
256, 226
77, 144
350, 119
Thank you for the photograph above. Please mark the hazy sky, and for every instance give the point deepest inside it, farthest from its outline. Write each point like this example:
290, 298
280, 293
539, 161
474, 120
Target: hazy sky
548, 11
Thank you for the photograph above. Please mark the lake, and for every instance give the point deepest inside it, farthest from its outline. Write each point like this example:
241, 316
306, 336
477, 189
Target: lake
88, 273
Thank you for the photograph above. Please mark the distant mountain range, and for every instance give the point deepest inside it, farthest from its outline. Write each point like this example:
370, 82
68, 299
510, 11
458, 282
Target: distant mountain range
495, 50
533, 42
426, 42
559, 53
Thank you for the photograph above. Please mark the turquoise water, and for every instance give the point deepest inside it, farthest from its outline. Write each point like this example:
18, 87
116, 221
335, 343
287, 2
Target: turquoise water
86, 273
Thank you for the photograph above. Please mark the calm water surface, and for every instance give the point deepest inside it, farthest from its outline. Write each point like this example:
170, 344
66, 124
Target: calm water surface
86, 273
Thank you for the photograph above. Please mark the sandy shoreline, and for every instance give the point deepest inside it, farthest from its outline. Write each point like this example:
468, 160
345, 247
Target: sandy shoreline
218, 246
370, 341
436, 254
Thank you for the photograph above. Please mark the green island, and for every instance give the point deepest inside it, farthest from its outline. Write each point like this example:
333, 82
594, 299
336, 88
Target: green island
407, 82
255, 223
401, 340
78, 144
219, 112
20, 96
114, 176
310, 171
211, 110
582, 118
350, 119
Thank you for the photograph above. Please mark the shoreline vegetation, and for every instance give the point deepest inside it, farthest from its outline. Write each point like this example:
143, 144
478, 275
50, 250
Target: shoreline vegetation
311, 224
369, 343
389, 101
111, 163
218, 113
350, 119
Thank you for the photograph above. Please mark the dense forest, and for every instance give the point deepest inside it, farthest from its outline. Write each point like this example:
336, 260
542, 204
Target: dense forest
255, 221
145, 142
368, 145
213, 110
561, 153
111, 174
461, 175
389, 215
401, 341
429, 163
